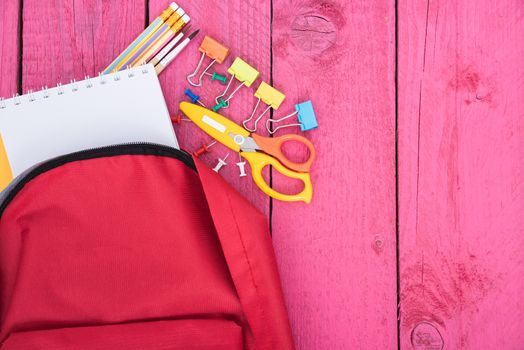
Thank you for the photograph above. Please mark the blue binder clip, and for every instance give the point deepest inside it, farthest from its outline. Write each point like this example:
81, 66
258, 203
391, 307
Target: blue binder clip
194, 97
306, 117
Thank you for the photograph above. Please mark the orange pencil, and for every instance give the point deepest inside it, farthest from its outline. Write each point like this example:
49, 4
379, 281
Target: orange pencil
156, 25
162, 40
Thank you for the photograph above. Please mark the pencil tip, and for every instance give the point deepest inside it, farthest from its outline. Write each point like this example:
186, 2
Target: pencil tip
192, 35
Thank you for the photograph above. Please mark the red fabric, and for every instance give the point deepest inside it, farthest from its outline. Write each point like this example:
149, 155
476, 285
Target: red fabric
111, 247
163, 335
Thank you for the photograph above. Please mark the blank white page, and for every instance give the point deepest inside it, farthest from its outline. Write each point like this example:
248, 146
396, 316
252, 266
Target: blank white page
125, 107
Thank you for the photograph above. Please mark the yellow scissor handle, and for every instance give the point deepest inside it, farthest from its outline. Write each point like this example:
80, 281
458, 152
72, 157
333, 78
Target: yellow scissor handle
258, 161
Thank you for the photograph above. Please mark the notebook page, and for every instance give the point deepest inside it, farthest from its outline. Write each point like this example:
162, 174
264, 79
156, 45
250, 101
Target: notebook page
124, 107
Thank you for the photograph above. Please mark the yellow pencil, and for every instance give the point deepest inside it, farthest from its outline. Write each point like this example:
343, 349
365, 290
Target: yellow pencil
150, 31
162, 40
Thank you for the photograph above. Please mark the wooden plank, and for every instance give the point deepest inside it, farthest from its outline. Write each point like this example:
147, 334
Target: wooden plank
70, 39
244, 27
9, 52
461, 172
337, 255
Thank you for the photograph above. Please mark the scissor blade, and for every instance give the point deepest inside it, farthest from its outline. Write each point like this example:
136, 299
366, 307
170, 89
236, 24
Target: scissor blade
215, 125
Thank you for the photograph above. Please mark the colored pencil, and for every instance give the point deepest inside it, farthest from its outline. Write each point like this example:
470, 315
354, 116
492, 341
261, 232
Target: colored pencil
158, 57
150, 30
153, 38
173, 54
150, 52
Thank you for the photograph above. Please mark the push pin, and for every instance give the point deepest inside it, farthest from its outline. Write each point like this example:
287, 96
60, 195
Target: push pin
271, 97
242, 72
178, 119
194, 97
307, 119
221, 78
221, 104
221, 163
204, 149
217, 53
241, 166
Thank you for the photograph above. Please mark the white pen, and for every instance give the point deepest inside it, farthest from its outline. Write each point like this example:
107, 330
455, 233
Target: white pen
173, 54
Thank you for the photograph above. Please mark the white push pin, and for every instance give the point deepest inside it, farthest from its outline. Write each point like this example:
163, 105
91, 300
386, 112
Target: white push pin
221, 163
242, 166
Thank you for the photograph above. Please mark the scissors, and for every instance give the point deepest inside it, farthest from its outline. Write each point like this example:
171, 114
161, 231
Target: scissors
258, 150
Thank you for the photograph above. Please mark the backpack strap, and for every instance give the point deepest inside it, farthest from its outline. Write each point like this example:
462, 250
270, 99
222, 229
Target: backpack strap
244, 236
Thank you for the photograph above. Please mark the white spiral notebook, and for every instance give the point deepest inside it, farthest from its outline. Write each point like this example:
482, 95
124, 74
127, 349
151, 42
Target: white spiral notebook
119, 108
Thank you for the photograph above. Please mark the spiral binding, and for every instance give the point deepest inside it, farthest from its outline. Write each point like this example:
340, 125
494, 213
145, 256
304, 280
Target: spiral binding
73, 86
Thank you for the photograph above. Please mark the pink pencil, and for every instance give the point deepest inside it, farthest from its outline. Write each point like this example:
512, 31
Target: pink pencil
161, 41
163, 52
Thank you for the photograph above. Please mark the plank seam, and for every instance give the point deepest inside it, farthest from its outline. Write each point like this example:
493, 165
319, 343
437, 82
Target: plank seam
20, 46
146, 19
418, 155
397, 201
271, 111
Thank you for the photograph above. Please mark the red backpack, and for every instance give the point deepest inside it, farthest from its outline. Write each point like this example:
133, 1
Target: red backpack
135, 247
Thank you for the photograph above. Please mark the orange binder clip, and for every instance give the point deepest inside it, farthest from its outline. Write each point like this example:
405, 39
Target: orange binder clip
217, 53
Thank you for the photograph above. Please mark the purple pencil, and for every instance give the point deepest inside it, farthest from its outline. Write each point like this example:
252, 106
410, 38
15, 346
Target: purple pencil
159, 33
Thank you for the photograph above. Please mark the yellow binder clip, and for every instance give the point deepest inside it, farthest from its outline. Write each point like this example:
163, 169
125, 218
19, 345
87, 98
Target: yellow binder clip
271, 97
244, 73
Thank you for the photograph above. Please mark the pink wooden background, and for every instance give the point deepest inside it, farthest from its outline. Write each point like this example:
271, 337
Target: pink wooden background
415, 236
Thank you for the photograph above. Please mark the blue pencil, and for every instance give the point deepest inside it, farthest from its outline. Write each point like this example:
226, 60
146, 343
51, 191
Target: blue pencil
135, 45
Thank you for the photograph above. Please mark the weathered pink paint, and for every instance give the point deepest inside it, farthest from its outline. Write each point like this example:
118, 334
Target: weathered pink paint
8, 48
461, 151
69, 39
461, 189
337, 255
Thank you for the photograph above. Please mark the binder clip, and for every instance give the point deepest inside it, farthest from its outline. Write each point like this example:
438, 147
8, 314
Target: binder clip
271, 97
217, 53
307, 119
242, 72
193, 97
204, 149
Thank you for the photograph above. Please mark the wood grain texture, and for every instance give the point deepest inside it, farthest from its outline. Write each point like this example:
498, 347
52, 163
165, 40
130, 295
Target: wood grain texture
461, 172
70, 39
337, 255
9, 49
461, 150
244, 27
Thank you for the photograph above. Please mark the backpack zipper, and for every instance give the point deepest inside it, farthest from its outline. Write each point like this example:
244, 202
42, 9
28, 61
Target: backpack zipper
135, 148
